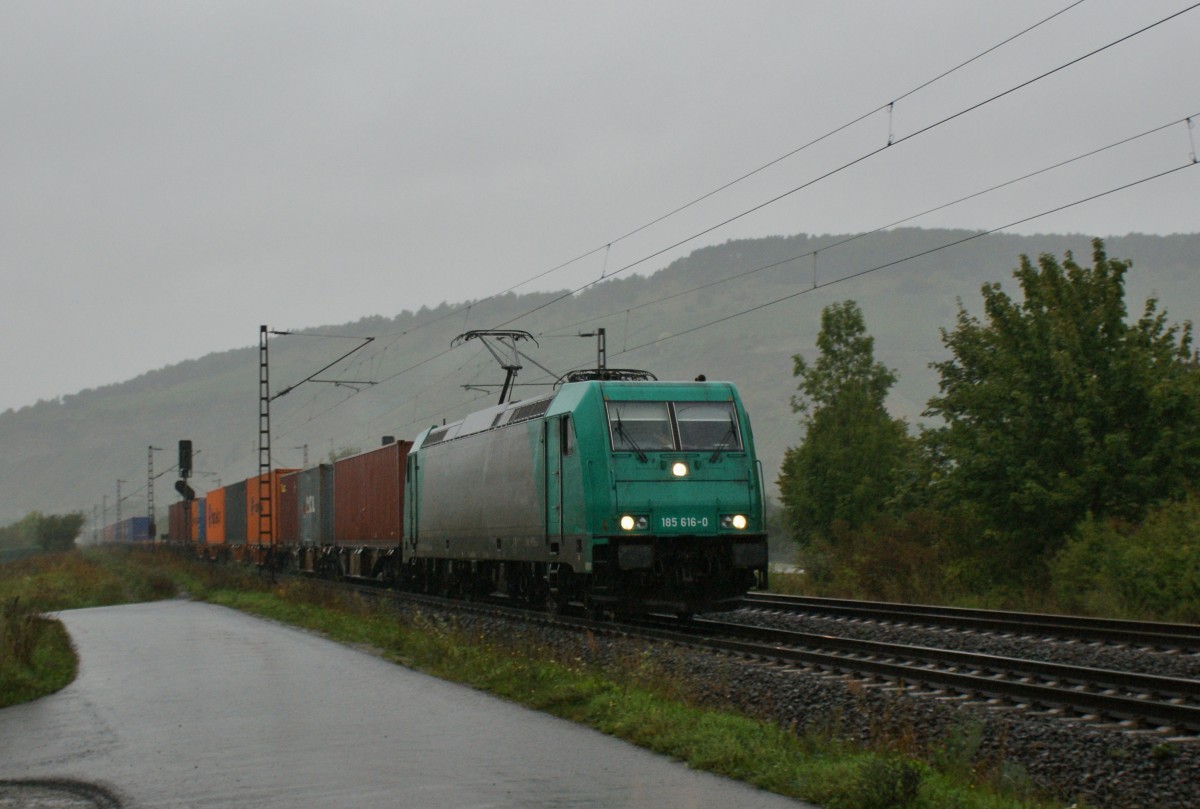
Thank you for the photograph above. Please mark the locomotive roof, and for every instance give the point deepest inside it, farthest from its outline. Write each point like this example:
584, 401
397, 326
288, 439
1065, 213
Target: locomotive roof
567, 398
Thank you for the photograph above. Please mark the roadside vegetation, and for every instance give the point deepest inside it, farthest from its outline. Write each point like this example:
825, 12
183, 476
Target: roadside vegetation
631, 699
36, 656
1058, 470
38, 533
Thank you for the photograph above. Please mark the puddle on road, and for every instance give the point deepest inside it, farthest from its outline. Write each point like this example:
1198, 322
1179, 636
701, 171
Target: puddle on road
51, 794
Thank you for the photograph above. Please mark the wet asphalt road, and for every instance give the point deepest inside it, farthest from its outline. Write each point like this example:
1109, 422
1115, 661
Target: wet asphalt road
182, 704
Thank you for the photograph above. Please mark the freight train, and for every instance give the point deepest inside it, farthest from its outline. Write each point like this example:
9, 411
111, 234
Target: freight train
612, 494
133, 530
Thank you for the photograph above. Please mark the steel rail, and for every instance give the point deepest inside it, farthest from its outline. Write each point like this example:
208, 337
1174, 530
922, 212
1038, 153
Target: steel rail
1143, 633
1162, 702
1142, 709
1150, 684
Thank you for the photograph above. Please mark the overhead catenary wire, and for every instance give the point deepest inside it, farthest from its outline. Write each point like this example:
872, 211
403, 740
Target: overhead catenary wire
815, 286
606, 247
923, 253
861, 234
885, 265
861, 158
867, 271
608, 274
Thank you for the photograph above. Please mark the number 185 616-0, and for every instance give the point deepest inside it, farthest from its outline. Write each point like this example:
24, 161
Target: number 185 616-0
683, 522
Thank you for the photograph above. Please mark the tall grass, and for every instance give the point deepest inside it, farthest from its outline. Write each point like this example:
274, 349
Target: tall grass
36, 657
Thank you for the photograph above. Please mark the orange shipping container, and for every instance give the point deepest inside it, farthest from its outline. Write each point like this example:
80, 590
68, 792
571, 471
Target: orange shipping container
177, 528
288, 509
254, 487
214, 515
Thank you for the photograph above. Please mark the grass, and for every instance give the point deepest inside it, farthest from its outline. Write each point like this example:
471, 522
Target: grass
633, 698
36, 656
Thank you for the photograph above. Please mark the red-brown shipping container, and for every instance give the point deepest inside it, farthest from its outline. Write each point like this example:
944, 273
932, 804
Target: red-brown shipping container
214, 515
368, 497
177, 527
289, 509
185, 521
253, 487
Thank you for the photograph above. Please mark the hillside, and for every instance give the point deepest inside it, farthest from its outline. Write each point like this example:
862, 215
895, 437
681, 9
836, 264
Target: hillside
69, 453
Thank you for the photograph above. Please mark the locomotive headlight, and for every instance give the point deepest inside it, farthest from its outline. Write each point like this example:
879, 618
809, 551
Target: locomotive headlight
735, 521
630, 522
679, 469
627, 523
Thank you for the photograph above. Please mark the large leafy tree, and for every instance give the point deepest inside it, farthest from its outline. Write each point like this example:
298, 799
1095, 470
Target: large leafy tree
852, 454
58, 532
22, 534
54, 532
1057, 406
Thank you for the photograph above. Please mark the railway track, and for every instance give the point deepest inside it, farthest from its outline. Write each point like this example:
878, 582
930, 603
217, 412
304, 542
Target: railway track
1135, 701
1169, 706
1142, 634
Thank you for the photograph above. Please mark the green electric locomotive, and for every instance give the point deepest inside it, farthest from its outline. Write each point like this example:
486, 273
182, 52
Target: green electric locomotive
621, 496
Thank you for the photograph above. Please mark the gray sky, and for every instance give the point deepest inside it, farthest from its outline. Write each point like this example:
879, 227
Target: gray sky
173, 174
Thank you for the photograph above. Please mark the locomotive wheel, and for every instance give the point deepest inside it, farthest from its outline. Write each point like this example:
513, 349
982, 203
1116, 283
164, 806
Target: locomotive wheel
556, 603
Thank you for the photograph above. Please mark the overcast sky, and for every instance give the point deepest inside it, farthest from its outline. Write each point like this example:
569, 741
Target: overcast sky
173, 174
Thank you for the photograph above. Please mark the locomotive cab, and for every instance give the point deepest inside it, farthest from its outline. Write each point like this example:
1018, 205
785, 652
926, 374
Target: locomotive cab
684, 527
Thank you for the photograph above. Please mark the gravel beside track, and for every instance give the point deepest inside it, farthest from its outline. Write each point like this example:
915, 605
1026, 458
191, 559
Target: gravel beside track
1104, 766
1057, 650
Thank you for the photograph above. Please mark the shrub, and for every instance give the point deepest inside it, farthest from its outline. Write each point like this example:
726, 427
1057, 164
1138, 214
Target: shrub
36, 657
916, 557
1150, 571
889, 783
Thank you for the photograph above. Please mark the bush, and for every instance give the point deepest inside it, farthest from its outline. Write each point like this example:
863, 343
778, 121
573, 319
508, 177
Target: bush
916, 557
1149, 571
889, 783
21, 630
36, 657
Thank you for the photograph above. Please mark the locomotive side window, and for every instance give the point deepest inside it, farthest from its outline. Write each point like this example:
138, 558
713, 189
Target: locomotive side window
640, 426
566, 436
707, 426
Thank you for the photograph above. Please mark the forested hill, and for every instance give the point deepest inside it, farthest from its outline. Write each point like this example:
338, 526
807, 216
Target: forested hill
68, 454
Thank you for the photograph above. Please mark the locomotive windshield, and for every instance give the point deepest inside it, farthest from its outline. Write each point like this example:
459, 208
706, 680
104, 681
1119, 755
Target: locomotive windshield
707, 426
688, 426
640, 426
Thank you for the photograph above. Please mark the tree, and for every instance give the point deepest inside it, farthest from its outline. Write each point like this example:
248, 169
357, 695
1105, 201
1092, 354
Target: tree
853, 452
342, 452
57, 532
1057, 407
22, 534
